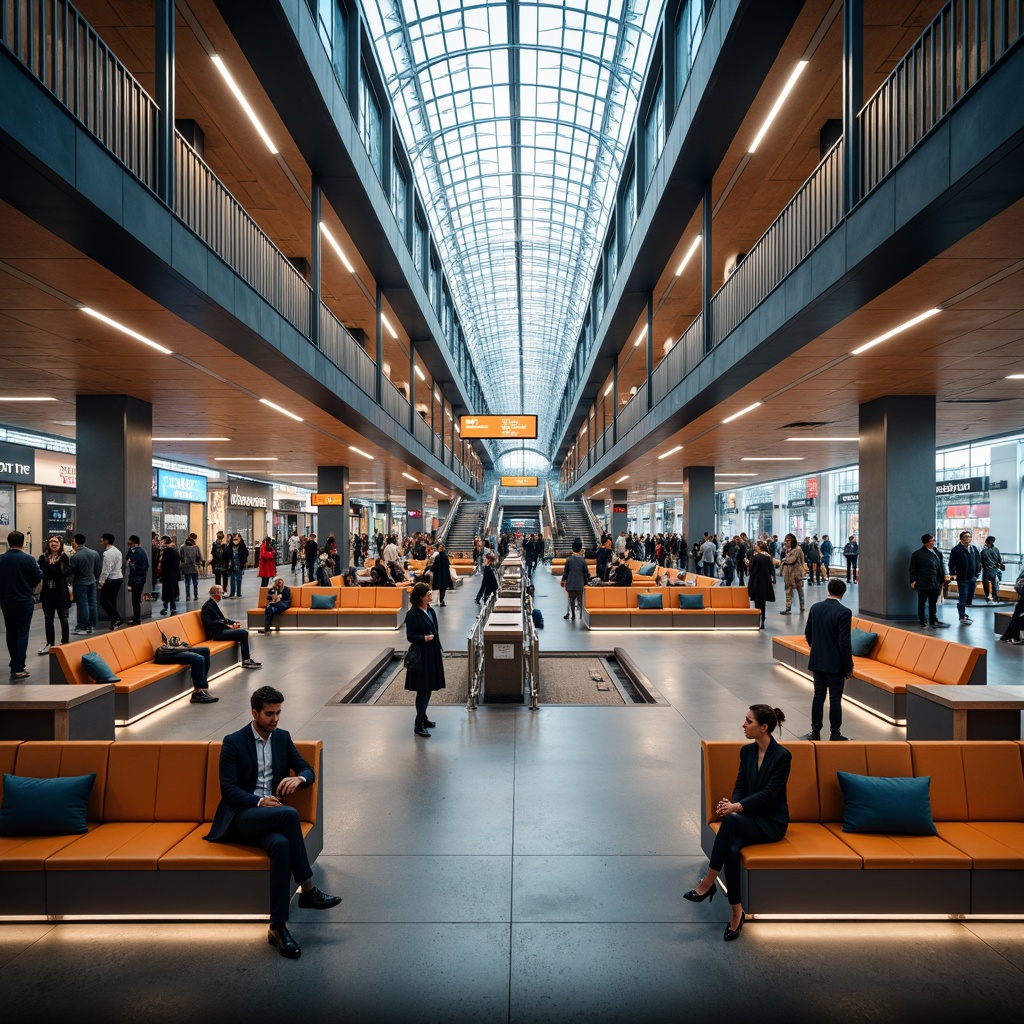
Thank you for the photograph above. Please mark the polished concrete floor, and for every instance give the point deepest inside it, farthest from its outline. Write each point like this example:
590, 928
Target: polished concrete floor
520, 866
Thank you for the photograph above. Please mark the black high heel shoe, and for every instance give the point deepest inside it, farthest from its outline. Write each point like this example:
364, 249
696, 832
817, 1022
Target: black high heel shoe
734, 933
695, 897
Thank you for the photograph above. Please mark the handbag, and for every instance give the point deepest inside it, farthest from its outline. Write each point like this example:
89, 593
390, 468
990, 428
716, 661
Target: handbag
413, 660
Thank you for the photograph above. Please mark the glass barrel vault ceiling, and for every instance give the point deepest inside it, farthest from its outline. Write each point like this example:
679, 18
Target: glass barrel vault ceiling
516, 115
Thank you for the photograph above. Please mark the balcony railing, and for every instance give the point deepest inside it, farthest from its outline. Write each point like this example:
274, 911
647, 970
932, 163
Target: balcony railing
964, 41
55, 43
682, 357
394, 403
346, 353
633, 412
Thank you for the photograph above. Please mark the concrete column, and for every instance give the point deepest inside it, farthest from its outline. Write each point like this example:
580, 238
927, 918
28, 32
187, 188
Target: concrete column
315, 264
334, 518
413, 503
698, 502
164, 52
897, 499
114, 435
620, 519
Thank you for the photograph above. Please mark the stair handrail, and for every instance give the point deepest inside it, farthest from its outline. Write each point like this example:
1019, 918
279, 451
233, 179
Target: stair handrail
592, 519
492, 510
549, 504
449, 522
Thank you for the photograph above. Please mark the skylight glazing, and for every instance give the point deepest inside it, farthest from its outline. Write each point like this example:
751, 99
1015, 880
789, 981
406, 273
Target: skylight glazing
516, 114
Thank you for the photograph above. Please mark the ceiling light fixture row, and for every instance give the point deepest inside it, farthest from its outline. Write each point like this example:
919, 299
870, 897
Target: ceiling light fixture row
665, 455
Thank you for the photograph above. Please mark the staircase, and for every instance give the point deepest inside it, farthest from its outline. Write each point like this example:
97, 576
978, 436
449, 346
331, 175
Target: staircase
521, 516
572, 522
467, 525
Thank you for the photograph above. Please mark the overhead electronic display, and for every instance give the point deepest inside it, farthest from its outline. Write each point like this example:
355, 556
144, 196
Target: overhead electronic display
498, 427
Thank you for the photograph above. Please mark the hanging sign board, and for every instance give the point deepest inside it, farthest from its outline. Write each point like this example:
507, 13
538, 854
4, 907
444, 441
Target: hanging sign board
519, 481
327, 499
498, 427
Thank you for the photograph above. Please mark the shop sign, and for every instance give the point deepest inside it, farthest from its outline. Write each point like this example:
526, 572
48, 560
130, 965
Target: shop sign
812, 487
242, 494
998, 485
498, 427
174, 486
323, 498
518, 481
619, 510
801, 503
55, 469
288, 505
963, 485
849, 498
760, 506
414, 513
17, 464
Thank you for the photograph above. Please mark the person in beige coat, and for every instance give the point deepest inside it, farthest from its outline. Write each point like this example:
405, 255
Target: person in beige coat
794, 568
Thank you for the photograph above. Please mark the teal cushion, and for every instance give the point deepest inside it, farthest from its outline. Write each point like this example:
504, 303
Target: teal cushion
97, 669
876, 804
647, 570
323, 601
862, 641
45, 807
648, 600
688, 602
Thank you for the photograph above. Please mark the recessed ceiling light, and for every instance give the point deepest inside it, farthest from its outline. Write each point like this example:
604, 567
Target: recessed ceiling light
724, 475
608, 390
439, 491
583, 430
168, 438
689, 254
822, 438
772, 458
337, 248
419, 373
387, 326
26, 398
253, 458
896, 330
670, 483
643, 334
222, 68
596, 493
742, 412
678, 448
412, 478
621, 478
126, 330
359, 451
786, 90
362, 483
1016, 376
277, 408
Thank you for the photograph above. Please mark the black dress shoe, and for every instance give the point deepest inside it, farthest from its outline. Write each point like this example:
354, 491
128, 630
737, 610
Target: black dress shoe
566, 615
202, 697
838, 736
428, 724
734, 933
813, 736
286, 945
316, 899
420, 731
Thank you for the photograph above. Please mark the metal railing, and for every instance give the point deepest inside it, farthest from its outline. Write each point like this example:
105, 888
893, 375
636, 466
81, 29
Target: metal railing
394, 402
531, 658
55, 43
346, 353
549, 505
682, 357
954, 52
633, 412
592, 519
449, 520
475, 652
422, 432
808, 217
492, 518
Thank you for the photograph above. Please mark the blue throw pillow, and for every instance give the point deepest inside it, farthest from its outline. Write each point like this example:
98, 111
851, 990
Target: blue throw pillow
648, 570
97, 669
322, 602
862, 641
689, 602
648, 600
45, 807
876, 804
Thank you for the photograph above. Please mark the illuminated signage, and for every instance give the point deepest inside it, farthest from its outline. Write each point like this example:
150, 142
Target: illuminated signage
498, 427
414, 513
619, 510
519, 481
180, 486
327, 499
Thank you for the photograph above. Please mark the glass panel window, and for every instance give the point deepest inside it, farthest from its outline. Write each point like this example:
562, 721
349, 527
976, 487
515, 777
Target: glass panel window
689, 32
654, 130
370, 120
611, 261
400, 197
419, 248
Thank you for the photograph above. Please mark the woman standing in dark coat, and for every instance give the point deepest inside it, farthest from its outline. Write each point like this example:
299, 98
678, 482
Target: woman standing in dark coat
441, 573
761, 582
428, 675
55, 595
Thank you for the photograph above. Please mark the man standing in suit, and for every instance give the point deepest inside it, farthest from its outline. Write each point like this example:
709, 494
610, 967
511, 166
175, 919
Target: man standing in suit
254, 767
831, 661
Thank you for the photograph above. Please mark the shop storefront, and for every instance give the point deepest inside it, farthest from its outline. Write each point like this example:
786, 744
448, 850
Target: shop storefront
847, 515
292, 514
179, 506
37, 495
962, 504
758, 518
246, 508
803, 517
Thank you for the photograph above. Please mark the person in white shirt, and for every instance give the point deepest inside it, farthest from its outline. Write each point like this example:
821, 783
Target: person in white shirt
111, 579
391, 552
294, 543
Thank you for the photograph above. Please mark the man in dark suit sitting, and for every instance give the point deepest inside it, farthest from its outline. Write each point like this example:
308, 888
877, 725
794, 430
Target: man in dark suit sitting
831, 660
218, 626
254, 776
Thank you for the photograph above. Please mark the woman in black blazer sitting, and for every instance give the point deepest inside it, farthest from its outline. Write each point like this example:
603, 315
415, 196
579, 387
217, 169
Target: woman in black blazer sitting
757, 813
426, 674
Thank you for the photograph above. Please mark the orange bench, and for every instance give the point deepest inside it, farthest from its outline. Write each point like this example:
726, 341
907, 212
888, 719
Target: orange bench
144, 853
619, 608
145, 685
354, 608
975, 865
899, 657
